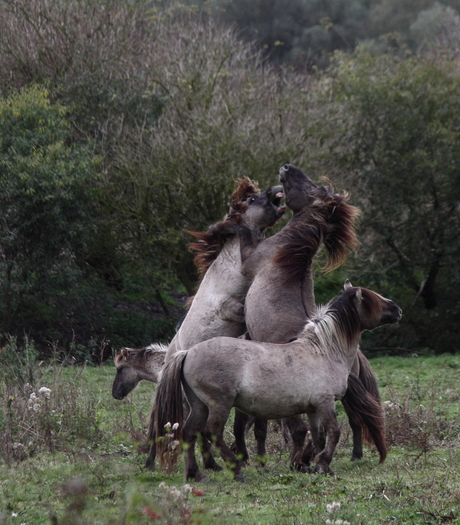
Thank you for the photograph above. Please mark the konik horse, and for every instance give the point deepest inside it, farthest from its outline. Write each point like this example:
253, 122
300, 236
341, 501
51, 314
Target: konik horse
134, 364
281, 297
270, 381
217, 309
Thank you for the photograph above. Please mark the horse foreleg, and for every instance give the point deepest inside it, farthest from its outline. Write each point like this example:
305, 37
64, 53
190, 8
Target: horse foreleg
327, 417
298, 430
317, 432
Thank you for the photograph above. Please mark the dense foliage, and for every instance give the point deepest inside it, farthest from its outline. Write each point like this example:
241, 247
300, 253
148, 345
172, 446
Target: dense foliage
122, 124
391, 126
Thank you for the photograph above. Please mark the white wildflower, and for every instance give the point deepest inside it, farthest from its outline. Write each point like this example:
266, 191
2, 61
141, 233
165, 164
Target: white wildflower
33, 400
175, 493
332, 507
45, 392
187, 488
162, 485
174, 444
14, 514
175, 426
36, 407
168, 426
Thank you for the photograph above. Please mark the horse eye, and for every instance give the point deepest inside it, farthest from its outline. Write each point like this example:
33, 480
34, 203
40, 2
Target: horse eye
251, 199
286, 167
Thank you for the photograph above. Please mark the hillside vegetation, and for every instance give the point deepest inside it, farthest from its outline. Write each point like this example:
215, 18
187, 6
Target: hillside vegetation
123, 124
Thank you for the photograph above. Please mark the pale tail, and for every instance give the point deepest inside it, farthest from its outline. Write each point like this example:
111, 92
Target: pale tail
168, 408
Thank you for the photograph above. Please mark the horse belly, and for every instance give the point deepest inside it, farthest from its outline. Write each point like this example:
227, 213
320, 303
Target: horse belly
275, 397
273, 407
291, 384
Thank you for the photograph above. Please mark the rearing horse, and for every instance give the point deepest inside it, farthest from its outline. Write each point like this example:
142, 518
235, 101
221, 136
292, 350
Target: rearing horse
281, 299
270, 381
217, 308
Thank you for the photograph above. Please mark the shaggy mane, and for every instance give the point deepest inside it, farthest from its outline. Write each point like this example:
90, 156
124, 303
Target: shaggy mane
329, 220
139, 356
340, 316
210, 243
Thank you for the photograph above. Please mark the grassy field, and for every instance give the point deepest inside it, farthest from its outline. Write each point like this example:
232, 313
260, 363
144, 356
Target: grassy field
72, 458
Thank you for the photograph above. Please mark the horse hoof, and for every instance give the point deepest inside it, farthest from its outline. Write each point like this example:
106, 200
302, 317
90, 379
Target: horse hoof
261, 461
240, 477
198, 478
356, 458
300, 467
324, 469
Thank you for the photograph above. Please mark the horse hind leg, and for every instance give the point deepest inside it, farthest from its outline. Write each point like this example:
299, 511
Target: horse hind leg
195, 423
208, 459
209, 462
218, 416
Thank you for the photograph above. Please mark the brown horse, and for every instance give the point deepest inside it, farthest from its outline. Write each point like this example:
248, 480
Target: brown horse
270, 381
281, 297
217, 308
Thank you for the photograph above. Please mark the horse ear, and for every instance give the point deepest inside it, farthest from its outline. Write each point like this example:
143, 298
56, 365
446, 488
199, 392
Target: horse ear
124, 352
347, 285
359, 295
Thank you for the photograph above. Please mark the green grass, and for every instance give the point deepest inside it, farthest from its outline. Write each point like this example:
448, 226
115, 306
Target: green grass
86, 469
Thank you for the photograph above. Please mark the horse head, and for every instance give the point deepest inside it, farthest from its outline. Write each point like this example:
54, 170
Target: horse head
250, 208
297, 187
126, 378
265, 209
373, 310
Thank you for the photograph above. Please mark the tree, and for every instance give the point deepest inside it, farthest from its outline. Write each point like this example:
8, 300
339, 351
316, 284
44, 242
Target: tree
225, 114
391, 126
46, 201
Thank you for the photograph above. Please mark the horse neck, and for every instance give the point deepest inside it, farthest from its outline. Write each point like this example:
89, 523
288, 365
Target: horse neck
338, 330
257, 232
151, 369
296, 245
308, 293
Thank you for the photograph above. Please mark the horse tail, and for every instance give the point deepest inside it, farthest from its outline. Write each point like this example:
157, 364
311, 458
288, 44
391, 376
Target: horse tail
340, 236
367, 376
368, 410
167, 419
